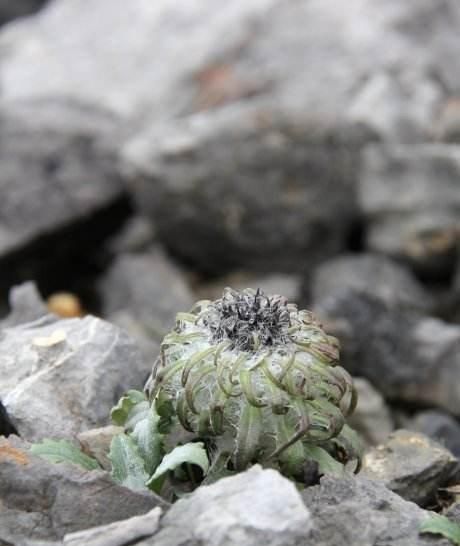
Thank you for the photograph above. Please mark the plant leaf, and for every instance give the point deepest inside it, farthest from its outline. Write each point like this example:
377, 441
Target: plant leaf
62, 451
128, 467
441, 525
121, 412
148, 440
326, 463
192, 453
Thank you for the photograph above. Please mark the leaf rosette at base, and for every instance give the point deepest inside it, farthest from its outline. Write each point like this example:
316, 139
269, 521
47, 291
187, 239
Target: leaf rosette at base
257, 380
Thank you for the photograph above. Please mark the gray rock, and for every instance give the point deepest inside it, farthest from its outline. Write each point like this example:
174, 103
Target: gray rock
412, 465
453, 512
245, 155
45, 501
11, 10
146, 339
26, 305
60, 377
61, 190
359, 511
440, 426
269, 190
371, 418
371, 274
96, 443
147, 285
410, 357
410, 197
6, 426
276, 283
136, 235
252, 508
120, 533
241, 52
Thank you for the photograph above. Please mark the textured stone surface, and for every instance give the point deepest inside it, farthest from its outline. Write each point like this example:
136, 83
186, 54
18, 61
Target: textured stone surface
251, 141
18, 8
149, 287
370, 274
363, 512
59, 377
412, 465
412, 204
6, 426
252, 508
45, 501
276, 283
408, 356
371, 418
242, 52
246, 192
61, 191
26, 305
120, 533
440, 426
96, 443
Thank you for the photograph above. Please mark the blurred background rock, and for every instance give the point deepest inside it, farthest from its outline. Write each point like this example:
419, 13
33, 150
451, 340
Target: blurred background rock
152, 152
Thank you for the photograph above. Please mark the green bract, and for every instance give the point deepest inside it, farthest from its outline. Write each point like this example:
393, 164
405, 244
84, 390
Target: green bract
257, 380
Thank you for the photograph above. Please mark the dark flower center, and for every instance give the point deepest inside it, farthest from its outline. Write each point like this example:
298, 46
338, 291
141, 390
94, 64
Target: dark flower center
248, 319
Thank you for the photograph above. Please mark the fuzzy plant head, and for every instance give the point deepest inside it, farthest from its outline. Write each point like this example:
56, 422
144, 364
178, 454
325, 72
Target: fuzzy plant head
255, 378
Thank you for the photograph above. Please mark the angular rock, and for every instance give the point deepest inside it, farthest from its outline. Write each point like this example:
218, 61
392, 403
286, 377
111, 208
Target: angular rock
11, 10
147, 285
60, 377
120, 533
371, 418
45, 501
371, 274
275, 283
136, 235
410, 357
242, 53
26, 305
439, 426
412, 465
356, 510
410, 197
269, 189
252, 508
6, 426
61, 191
238, 127
96, 443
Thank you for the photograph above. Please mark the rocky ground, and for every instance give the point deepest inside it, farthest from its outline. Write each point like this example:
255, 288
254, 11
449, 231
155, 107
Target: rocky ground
153, 153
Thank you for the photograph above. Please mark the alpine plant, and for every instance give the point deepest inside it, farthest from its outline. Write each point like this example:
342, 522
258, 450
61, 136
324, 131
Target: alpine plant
256, 380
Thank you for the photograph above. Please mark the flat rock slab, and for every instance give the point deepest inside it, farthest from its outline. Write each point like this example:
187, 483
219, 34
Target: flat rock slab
60, 377
412, 465
44, 501
372, 418
120, 533
359, 511
372, 274
252, 508
62, 194
406, 355
149, 287
409, 196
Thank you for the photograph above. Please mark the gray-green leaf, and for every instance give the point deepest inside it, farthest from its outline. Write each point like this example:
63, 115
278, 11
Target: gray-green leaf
128, 467
192, 453
326, 463
440, 525
148, 440
121, 412
62, 451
